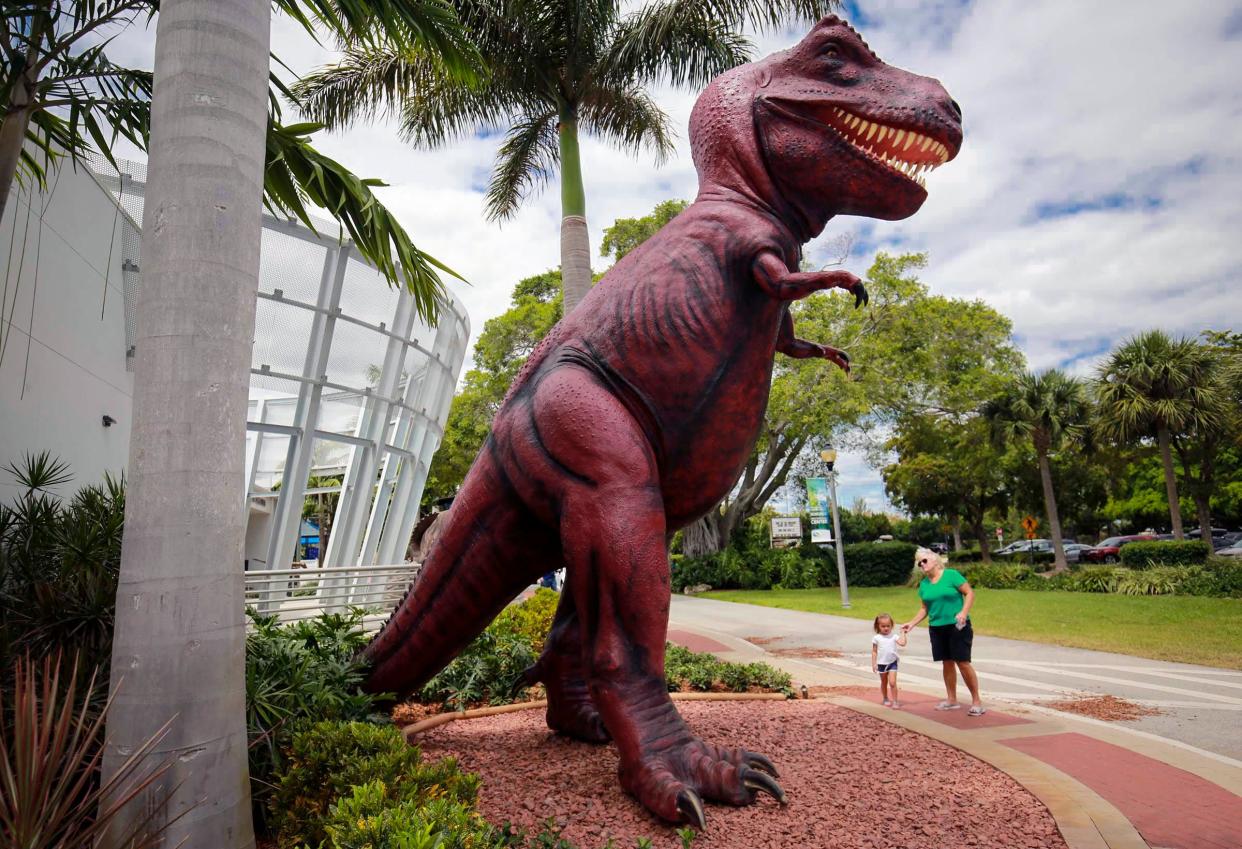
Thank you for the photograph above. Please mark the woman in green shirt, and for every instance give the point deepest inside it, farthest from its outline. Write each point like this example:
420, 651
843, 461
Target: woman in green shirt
946, 601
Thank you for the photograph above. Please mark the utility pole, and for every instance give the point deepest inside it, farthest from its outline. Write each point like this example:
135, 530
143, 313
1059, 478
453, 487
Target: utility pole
829, 456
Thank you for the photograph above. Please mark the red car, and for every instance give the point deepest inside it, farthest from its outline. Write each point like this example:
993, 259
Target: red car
1108, 551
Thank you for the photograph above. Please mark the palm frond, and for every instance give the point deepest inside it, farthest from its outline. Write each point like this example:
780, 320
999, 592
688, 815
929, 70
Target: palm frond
629, 118
431, 26
524, 163
686, 43
295, 172
367, 82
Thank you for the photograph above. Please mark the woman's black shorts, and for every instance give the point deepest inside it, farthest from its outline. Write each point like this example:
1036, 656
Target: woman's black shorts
948, 643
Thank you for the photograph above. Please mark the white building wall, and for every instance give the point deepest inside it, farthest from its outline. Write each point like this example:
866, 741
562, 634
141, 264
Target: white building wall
63, 366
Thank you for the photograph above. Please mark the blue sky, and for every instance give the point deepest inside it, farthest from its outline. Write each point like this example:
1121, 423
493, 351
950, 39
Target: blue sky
1098, 192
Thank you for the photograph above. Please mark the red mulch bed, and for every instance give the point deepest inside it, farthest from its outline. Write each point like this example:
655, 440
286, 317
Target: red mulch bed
1107, 708
852, 780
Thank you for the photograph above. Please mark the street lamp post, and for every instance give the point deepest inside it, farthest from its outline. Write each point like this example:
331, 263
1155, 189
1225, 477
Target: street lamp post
829, 456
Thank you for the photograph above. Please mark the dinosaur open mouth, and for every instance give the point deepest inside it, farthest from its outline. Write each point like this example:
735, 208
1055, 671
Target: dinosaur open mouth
908, 152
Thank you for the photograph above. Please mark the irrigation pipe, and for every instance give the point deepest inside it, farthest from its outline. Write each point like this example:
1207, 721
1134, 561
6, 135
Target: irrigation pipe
413, 732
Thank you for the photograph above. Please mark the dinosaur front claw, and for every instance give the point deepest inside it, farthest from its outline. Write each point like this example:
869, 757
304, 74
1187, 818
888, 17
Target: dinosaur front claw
860, 294
761, 782
691, 808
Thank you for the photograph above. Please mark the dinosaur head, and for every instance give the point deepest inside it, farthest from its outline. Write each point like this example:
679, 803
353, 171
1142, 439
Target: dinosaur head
822, 129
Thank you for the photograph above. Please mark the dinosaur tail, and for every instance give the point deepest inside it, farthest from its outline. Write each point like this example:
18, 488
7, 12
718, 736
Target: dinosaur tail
479, 564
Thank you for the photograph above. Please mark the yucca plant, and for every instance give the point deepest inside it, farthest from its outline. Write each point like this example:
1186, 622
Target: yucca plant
51, 796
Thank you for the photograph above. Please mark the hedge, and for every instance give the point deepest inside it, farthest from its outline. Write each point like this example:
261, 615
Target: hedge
1145, 555
1219, 577
879, 564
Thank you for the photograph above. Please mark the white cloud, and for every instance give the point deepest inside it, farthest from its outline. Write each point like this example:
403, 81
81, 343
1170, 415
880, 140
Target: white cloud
1097, 195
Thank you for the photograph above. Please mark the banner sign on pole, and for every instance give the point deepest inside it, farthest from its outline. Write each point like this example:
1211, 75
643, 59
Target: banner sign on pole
817, 506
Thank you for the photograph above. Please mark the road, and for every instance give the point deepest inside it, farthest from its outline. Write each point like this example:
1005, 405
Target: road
1199, 706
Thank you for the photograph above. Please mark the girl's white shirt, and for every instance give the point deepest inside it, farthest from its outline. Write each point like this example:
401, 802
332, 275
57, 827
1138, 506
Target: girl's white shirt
886, 647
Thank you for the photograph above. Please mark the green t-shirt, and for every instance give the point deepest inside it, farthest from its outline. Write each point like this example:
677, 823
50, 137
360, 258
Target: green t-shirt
942, 598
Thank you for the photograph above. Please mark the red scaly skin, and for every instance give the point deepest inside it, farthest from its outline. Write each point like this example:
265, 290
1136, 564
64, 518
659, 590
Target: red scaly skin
637, 412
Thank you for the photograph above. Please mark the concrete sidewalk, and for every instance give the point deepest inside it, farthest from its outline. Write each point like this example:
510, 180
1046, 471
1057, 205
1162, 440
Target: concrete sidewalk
1107, 788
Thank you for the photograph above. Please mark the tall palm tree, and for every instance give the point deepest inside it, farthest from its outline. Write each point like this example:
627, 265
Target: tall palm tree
555, 68
1156, 385
1046, 408
179, 647
65, 98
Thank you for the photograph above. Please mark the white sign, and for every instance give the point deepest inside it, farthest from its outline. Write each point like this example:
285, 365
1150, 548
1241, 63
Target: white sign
787, 528
821, 535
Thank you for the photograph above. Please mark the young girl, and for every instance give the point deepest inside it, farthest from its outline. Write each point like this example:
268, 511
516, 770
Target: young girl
884, 657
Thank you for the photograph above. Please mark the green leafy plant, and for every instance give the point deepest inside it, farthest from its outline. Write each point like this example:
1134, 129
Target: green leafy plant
59, 561
702, 671
1096, 579
302, 671
531, 620
489, 672
51, 747
1155, 581
687, 836
878, 564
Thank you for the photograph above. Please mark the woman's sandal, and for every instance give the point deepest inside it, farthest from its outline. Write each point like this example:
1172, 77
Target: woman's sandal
977, 710
948, 706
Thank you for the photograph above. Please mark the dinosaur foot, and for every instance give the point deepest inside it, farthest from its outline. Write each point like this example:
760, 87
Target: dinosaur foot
570, 709
673, 783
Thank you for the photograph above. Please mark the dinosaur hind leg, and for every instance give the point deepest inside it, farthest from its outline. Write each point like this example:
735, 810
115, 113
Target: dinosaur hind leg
612, 527
562, 670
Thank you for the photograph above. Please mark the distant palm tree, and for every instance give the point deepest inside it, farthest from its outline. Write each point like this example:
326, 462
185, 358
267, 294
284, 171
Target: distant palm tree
1046, 408
554, 68
1157, 385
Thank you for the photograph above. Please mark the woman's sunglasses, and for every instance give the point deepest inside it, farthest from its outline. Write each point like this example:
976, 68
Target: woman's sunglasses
923, 562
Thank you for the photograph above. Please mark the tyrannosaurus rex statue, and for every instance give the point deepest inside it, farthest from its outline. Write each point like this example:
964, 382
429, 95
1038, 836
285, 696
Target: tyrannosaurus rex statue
636, 414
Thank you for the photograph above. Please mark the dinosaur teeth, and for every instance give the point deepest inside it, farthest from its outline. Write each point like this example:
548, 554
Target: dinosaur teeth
907, 152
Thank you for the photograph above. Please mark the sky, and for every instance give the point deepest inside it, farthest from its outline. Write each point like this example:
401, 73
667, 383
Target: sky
1094, 196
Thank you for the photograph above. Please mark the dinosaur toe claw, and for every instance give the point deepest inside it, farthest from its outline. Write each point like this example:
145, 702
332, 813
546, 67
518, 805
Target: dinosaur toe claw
761, 782
761, 763
691, 807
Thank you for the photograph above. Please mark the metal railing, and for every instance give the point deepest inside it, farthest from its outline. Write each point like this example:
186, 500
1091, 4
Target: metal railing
295, 594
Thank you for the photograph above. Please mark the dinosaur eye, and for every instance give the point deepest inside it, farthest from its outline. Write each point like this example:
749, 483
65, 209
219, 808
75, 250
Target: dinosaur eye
831, 50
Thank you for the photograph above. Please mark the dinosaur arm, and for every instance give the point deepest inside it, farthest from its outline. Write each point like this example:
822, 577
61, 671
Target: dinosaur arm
801, 349
775, 278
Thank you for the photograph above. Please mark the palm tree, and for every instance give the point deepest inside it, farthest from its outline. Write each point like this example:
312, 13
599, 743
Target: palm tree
554, 69
66, 98
1046, 408
1157, 385
180, 635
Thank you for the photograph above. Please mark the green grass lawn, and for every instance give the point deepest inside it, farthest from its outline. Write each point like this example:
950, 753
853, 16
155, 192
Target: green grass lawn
1189, 629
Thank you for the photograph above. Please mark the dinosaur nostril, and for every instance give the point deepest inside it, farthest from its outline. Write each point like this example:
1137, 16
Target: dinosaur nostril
957, 110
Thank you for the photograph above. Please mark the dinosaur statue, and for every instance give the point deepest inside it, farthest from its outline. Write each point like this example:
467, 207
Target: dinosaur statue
637, 412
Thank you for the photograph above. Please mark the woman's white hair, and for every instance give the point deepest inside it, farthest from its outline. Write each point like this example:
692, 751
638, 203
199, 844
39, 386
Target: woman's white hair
929, 554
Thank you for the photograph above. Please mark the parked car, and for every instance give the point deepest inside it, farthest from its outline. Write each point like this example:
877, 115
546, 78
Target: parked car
939, 547
1109, 550
1234, 550
1226, 540
1073, 551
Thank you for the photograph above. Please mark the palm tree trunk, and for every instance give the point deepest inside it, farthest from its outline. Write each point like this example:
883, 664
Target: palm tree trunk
12, 137
1050, 506
575, 240
1170, 481
179, 646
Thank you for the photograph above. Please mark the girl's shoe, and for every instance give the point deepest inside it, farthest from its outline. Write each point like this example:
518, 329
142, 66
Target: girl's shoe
887, 703
977, 710
895, 705
948, 706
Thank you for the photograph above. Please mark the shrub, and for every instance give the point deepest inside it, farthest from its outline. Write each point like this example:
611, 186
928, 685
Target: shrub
1220, 576
702, 671
966, 555
370, 818
327, 761
1144, 555
692, 571
531, 620
999, 576
878, 564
